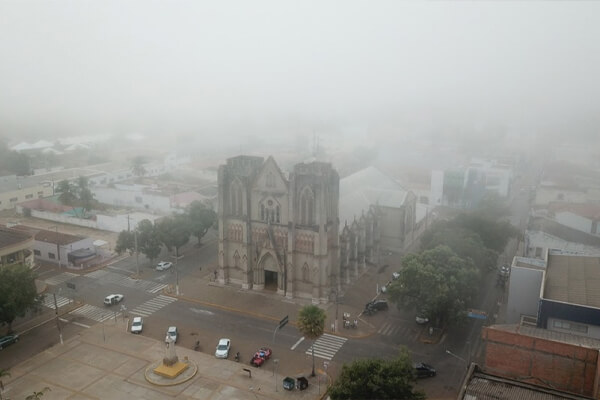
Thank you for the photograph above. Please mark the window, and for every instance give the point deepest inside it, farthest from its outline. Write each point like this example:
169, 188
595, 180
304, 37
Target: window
14, 199
51, 256
277, 214
29, 196
262, 212
306, 207
538, 251
40, 194
305, 273
37, 252
570, 326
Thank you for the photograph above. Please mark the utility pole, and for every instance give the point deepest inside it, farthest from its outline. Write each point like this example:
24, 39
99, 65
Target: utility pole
57, 320
137, 255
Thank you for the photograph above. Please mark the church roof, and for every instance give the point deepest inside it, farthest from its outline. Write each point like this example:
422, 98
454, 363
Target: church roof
368, 187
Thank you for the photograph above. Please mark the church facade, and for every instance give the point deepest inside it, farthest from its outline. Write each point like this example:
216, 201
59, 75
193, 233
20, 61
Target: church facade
281, 233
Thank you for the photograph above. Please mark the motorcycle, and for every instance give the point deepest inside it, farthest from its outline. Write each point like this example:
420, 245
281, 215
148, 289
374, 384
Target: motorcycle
197, 346
237, 356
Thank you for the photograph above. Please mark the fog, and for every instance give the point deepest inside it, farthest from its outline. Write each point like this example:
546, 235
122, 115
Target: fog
191, 68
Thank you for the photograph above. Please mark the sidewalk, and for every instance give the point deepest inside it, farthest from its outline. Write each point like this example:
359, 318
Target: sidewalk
107, 362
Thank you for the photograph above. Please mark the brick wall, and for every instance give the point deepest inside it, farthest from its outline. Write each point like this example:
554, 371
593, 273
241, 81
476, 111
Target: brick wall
544, 362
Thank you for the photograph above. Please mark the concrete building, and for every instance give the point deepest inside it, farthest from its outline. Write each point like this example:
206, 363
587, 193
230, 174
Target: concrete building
394, 206
558, 293
547, 359
15, 247
60, 248
537, 244
280, 232
14, 190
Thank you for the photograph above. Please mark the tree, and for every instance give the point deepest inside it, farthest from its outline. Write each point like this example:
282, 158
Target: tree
494, 234
18, 293
67, 193
148, 240
311, 323
85, 195
137, 166
201, 219
437, 282
465, 243
174, 232
125, 242
37, 395
377, 379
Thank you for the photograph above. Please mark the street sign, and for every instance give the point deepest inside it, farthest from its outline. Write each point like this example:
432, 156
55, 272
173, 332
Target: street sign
476, 314
283, 322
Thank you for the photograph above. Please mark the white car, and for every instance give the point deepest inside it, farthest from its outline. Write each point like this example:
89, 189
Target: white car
421, 318
113, 299
223, 348
172, 333
137, 325
395, 275
164, 265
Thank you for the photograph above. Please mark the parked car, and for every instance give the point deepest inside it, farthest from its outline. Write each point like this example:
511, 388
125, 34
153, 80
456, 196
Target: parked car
301, 383
504, 270
289, 383
395, 275
137, 325
262, 355
8, 340
172, 333
223, 348
113, 299
421, 318
164, 265
378, 305
423, 370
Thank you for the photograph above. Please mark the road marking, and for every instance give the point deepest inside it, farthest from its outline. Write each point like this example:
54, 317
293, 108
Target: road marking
326, 346
200, 311
74, 323
297, 343
149, 307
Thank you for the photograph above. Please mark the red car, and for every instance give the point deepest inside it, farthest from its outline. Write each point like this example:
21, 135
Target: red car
262, 355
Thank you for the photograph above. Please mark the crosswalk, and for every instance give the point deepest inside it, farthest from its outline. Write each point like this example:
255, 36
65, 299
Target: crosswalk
60, 278
60, 301
94, 313
125, 281
151, 306
399, 328
326, 346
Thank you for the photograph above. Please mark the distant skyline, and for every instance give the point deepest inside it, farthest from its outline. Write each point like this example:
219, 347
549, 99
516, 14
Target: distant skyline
237, 67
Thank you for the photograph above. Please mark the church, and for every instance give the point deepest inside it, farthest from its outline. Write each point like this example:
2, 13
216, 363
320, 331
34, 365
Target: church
282, 233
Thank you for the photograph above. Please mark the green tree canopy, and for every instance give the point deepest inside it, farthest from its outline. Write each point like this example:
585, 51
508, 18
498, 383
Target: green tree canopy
311, 323
174, 232
201, 219
67, 192
464, 242
148, 241
137, 166
437, 282
125, 242
377, 379
17, 293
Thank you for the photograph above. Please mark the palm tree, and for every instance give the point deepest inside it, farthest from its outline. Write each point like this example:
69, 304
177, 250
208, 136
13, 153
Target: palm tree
311, 323
3, 373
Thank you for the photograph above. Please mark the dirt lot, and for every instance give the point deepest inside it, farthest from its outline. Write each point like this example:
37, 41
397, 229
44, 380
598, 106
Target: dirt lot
11, 217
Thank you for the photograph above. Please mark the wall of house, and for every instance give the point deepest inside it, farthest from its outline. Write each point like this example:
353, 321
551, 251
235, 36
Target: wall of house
9, 199
545, 195
134, 198
524, 293
123, 222
563, 366
48, 252
391, 226
64, 219
553, 310
574, 221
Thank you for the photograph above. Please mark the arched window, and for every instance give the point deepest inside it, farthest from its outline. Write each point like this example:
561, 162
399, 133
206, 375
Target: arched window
236, 198
240, 210
277, 214
307, 201
305, 273
233, 195
262, 212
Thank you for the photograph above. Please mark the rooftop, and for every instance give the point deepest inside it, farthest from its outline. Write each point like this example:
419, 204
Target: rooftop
9, 237
54, 237
482, 386
555, 336
586, 210
573, 279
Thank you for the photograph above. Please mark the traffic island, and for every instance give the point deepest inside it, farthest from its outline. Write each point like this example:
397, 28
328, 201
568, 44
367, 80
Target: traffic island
170, 371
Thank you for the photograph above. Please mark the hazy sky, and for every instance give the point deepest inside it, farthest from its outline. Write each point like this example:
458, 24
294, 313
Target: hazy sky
96, 66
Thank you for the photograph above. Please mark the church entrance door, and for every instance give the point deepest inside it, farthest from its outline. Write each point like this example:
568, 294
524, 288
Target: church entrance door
271, 280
